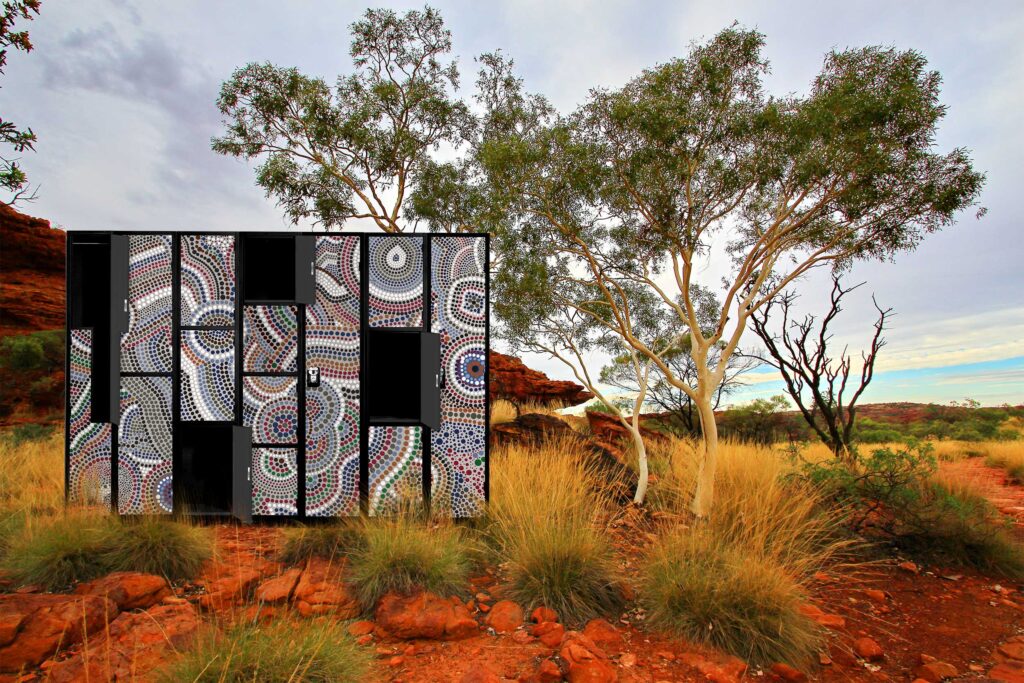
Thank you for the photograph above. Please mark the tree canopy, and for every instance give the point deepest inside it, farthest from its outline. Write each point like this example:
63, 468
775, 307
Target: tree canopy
12, 176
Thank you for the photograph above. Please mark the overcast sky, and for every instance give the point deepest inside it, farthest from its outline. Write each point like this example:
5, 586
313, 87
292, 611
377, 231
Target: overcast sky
122, 96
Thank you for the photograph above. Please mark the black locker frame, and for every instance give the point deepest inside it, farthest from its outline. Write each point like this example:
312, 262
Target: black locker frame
302, 241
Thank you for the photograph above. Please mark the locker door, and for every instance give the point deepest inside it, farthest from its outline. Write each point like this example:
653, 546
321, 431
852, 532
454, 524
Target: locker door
241, 474
430, 380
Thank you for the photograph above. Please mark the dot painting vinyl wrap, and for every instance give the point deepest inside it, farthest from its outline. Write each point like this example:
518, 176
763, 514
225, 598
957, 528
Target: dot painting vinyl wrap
89, 443
459, 315
332, 408
144, 448
229, 373
396, 281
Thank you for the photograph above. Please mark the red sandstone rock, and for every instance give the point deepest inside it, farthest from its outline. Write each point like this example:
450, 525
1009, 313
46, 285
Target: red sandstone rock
788, 673
542, 614
321, 590
605, 635
138, 643
34, 626
31, 273
279, 588
1013, 650
548, 672
361, 628
585, 661
875, 595
1010, 671
232, 586
608, 428
513, 381
934, 672
130, 590
549, 632
868, 649
505, 617
424, 615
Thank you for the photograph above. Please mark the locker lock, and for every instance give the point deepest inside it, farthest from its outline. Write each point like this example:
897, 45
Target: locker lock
312, 377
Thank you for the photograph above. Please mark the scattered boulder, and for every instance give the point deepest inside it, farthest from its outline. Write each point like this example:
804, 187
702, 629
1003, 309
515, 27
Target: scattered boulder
875, 595
867, 648
909, 567
279, 588
1012, 650
320, 590
549, 633
137, 644
729, 670
934, 672
605, 635
547, 672
424, 615
230, 588
1010, 671
361, 628
586, 662
33, 626
831, 621
480, 675
130, 590
505, 616
542, 614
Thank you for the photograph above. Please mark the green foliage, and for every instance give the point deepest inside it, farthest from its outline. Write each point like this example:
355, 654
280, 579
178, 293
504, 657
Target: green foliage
761, 421
12, 177
319, 651
42, 350
894, 494
78, 547
402, 555
713, 593
26, 433
329, 541
372, 134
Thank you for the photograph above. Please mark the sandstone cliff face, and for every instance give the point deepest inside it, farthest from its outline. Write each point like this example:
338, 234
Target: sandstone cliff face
513, 381
31, 274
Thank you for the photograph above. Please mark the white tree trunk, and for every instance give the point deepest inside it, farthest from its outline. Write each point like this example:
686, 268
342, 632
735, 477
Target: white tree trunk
704, 489
641, 455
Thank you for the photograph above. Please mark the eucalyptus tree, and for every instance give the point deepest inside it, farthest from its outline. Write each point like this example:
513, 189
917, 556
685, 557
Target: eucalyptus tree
690, 162
357, 150
12, 176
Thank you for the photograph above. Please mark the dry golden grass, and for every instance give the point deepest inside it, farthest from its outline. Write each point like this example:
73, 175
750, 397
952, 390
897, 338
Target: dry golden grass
545, 517
32, 476
503, 411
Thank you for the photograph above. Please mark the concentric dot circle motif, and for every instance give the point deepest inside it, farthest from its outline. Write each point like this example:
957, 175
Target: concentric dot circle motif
89, 443
396, 281
146, 346
207, 280
459, 300
144, 457
270, 408
208, 375
274, 481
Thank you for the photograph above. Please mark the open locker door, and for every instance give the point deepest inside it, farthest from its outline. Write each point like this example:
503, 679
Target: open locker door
431, 380
241, 474
305, 269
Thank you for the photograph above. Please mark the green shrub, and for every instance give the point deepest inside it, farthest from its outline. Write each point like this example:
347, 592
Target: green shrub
280, 651
26, 433
42, 350
331, 540
79, 546
710, 592
153, 545
403, 555
58, 553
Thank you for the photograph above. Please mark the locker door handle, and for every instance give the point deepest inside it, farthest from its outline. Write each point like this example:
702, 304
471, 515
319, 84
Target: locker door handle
126, 305
248, 473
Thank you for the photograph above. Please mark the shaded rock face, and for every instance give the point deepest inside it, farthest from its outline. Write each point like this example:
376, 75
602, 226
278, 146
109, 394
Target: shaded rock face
33, 626
608, 428
511, 380
425, 615
31, 273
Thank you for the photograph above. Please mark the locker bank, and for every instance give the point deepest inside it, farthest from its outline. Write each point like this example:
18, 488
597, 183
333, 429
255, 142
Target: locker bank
265, 375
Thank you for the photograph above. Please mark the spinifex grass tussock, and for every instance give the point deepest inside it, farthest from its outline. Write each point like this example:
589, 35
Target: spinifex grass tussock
404, 553
332, 540
710, 591
546, 509
735, 579
79, 545
280, 651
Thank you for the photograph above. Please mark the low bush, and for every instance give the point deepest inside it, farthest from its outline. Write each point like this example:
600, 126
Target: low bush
403, 554
329, 541
280, 651
79, 546
545, 527
897, 495
702, 587
168, 548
